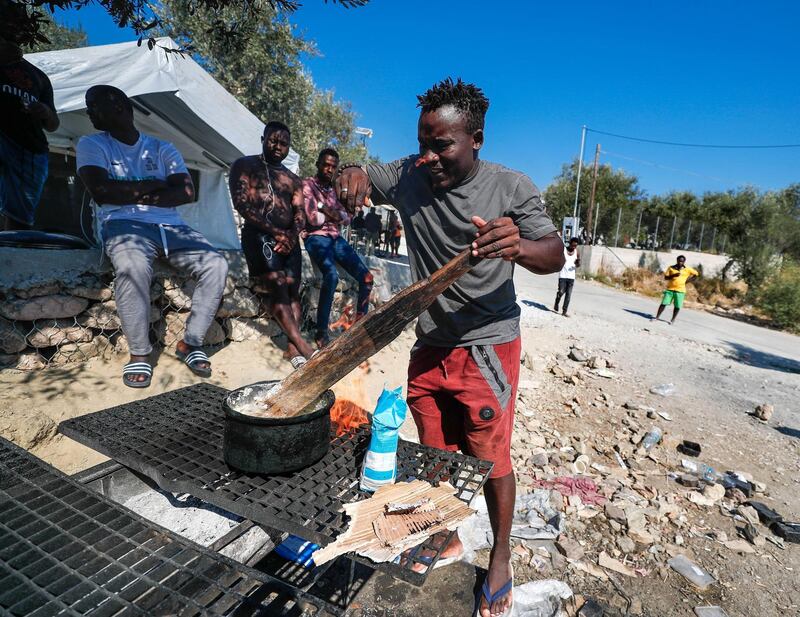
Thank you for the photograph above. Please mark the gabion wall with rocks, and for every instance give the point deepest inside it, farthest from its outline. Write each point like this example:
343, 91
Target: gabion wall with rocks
56, 318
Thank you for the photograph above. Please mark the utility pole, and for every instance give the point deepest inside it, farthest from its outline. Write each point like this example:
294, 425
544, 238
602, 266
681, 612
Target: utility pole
596, 218
616, 236
639, 225
655, 235
702, 230
688, 231
578, 181
672, 234
594, 188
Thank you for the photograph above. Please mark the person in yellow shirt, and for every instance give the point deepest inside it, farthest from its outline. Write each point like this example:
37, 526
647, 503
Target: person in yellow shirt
677, 277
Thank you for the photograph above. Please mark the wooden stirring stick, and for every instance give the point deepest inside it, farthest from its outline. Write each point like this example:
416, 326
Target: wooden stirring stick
369, 335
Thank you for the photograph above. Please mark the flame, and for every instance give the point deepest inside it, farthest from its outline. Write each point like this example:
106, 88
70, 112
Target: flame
345, 414
346, 321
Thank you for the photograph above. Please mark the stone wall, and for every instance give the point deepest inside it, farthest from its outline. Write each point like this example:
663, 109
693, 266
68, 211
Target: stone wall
615, 260
57, 306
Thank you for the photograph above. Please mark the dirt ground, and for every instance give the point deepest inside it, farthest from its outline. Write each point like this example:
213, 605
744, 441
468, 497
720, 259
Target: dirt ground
711, 405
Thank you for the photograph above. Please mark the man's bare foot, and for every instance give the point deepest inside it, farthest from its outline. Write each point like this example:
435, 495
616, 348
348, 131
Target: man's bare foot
499, 574
454, 549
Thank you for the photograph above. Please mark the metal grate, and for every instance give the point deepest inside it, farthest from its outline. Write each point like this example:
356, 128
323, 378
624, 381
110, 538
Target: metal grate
65, 550
176, 440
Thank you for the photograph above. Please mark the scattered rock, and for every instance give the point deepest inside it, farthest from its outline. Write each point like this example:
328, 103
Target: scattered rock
577, 354
615, 513
610, 563
626, 545
527, 361
596, 362
739, 546
764, 412
25, 426
570, 549
539, 459
749, 513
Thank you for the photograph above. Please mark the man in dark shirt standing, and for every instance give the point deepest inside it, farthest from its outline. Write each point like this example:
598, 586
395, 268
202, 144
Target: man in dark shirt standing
26, 111
372, 225
464, 369
270, 199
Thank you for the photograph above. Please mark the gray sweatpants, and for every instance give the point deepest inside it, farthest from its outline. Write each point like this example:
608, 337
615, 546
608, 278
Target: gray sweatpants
132, 246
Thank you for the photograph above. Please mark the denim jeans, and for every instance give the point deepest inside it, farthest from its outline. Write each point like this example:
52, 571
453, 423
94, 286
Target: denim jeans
326, 252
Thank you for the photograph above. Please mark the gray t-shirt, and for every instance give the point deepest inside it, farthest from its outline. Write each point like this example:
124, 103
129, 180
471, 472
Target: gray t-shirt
480, 308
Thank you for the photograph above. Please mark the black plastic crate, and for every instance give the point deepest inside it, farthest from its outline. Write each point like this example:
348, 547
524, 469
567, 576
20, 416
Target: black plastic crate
176, 440
66, 550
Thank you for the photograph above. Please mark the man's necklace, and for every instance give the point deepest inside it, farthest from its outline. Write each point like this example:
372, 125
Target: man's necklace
269, 186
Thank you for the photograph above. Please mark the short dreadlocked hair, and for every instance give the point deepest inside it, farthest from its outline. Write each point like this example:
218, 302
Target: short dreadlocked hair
466, 98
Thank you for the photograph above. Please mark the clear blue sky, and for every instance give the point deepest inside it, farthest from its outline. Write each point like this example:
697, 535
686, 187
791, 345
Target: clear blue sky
687, 71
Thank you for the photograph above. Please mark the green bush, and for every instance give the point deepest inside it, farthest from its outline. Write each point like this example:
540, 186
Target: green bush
780, 297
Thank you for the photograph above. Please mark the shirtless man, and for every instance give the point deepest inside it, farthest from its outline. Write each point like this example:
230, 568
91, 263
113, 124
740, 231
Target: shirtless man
270, 199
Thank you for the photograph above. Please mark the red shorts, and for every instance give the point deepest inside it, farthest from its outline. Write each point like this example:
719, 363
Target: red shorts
462, 398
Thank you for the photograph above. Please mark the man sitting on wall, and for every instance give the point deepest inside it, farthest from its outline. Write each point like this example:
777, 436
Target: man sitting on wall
270, 199
137, 181
26, 111
325, 245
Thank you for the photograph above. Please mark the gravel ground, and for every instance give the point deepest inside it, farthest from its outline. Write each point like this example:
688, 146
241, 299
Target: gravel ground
718, 382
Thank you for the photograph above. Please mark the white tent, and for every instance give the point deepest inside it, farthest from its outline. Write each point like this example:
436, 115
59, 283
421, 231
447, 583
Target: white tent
175, 99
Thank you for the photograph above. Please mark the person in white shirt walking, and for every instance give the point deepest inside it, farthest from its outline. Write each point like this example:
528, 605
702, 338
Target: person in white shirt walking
566, 278
137, 181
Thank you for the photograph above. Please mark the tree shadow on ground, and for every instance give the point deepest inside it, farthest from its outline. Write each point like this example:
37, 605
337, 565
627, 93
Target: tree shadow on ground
639, 314
790, 432
762, 359
537, 305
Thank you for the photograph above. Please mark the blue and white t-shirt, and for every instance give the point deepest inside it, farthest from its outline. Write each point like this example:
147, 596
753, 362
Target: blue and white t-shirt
148, 159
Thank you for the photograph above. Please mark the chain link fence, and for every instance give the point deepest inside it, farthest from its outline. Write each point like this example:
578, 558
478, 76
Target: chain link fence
57, 324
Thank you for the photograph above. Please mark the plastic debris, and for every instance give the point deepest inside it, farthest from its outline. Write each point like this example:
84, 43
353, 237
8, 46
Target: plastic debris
664, 389
652, 438
691, 572
540, 598
709, 611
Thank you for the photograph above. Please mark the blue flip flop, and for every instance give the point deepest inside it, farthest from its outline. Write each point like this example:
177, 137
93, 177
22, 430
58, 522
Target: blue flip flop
490, 597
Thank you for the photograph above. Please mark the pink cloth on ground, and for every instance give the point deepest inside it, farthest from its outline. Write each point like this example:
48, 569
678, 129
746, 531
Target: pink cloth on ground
585, 488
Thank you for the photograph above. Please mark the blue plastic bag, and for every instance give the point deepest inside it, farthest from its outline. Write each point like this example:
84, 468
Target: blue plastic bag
380, 462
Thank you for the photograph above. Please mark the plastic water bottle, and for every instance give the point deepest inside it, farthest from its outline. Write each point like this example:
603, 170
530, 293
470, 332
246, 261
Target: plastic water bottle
701, 470
652, 438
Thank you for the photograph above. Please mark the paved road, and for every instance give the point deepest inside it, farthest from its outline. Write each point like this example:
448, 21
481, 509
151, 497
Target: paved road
753, 345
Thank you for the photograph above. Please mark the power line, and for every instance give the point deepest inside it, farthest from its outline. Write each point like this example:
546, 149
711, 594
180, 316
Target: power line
667, 167
687, 145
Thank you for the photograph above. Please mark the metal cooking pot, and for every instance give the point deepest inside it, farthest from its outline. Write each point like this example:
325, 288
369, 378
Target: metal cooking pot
274, 445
